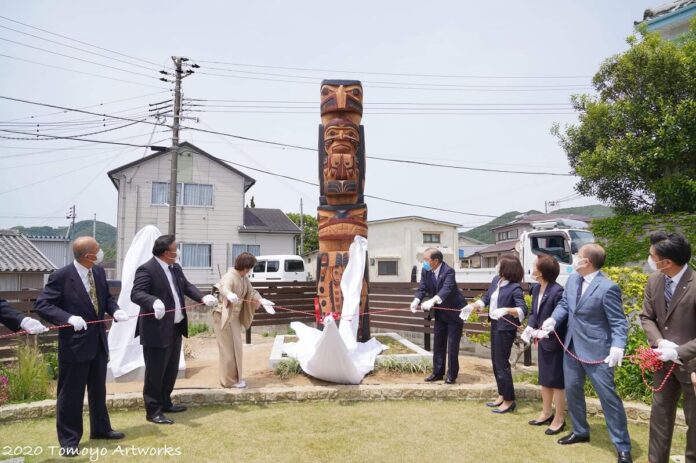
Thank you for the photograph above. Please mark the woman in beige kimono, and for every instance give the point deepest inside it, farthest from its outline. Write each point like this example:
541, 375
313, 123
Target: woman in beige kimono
235, 313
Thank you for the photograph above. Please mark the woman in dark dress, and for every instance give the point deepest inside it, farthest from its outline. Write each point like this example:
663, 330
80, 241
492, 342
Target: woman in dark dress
506, 310
545, 296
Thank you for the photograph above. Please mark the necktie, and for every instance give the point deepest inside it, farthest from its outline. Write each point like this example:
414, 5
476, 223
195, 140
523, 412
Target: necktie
669, 291
434, 281
92, 291
580, 283
176, 283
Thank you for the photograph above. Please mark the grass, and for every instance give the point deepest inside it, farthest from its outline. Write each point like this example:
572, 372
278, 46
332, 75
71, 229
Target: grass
399, 431
288, 367
30, 378
197, 328
391, 365
395, 347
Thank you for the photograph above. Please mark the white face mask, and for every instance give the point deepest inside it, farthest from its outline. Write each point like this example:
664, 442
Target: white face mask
580, 263
652, 264
100, 257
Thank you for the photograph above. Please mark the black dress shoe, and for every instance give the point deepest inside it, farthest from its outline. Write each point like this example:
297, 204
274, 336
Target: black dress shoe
539, 423
69, 452
109, 435
553, 432
511, 408
175, 409
432, 378
625, 457
159, 419
573, 438
493, 404
450, 381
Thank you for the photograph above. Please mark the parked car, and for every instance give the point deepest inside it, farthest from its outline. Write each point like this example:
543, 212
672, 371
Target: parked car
279, 268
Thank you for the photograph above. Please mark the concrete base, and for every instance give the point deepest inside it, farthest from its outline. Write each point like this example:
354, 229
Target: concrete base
418, 352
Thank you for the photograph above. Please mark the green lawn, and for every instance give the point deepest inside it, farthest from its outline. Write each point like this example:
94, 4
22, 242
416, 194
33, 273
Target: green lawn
407, 431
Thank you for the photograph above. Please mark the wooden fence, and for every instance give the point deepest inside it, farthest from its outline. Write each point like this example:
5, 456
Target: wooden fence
388, 307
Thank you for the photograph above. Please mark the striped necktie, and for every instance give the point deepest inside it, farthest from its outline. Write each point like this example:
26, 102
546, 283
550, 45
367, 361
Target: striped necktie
669, 291
92, 291
580, 283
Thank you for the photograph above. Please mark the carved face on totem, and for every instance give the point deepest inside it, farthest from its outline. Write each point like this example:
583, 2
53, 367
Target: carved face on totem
341, 96
342, 224
341, 172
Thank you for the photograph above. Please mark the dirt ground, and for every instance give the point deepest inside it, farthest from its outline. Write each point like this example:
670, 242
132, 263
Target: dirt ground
202, 369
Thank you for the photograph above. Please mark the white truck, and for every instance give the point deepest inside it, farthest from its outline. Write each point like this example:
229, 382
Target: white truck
286, 268
560, 238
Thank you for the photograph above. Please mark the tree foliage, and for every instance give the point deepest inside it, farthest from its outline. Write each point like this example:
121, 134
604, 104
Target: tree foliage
311, 231
635, 145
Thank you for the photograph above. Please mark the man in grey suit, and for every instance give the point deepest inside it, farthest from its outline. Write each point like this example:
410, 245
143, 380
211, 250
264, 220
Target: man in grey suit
669, 320
597, 329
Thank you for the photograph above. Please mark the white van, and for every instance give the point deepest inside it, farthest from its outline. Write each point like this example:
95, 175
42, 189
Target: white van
278, 268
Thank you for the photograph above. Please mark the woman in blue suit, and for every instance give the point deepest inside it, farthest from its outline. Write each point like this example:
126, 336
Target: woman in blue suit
506, 310
545, 297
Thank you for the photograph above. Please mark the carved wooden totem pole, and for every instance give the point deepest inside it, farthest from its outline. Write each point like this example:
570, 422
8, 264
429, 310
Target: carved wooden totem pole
342, 212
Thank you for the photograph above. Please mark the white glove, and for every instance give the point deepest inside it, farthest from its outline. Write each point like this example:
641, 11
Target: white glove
232, 297
268, 306
209, 300
540, 334
497, 313
414, 304
549, 324
665, 343
32, 326
427, 305
668, 354
466, 312
527, 334
121, 316
615, 357
78, 323
158, 307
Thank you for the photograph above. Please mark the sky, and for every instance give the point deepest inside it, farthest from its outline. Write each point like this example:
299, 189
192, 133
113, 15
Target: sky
461, 83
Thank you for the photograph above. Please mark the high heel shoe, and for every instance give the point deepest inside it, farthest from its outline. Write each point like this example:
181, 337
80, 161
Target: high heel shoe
494, 404
539, 423
553, 432
511, 408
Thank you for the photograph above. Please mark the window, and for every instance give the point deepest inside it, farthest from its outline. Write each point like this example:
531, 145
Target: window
272, 266
196, 255
294, 266
195, 194
388, 267
260, 267
431, 237
237, 249
491, 262
553, 245
507, 235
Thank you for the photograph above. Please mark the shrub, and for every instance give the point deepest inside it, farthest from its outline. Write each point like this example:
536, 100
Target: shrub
197, 328
288, 367
29, 378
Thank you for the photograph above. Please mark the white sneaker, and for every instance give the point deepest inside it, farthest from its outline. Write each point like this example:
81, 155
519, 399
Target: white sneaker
240, 385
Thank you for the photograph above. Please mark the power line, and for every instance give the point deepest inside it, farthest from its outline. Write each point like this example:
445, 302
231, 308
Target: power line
452, 76
35, 136
79, 41
396, 113
79, 72
72, 138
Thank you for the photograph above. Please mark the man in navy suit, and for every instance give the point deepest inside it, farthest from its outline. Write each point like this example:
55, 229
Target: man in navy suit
78, 295
160, 283
597, 329
15, 320
438, 284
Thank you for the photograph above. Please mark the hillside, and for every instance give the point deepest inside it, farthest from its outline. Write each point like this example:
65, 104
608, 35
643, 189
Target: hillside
483, 232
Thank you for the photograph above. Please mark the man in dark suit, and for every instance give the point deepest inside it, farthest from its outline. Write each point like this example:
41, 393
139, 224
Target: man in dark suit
160, 283
597, 329
15, 320
438, 284
669, 320
78, 294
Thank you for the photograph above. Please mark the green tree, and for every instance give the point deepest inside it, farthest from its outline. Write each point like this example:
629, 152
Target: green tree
635, 145
311, 231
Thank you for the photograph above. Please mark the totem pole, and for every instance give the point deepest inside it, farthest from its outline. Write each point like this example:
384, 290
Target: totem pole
342, 212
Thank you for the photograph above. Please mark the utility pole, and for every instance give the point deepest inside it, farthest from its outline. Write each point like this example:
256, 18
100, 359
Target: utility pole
71, 215
94, 227
301, 229
175, 145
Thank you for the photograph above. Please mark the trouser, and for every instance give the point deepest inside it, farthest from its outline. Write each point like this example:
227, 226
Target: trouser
602, 378
446, 343
72, 380
231, 347
501, 347
663, 414
161, 368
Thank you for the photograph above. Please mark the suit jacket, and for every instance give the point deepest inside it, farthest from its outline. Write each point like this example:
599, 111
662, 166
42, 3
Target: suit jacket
446, 288
551, 297
150, 284
596, 322
678, 324
510, 295
9, 316
64, 296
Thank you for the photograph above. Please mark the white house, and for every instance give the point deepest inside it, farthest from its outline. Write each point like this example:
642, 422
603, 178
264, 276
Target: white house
212, 225
670, 19
396, 246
